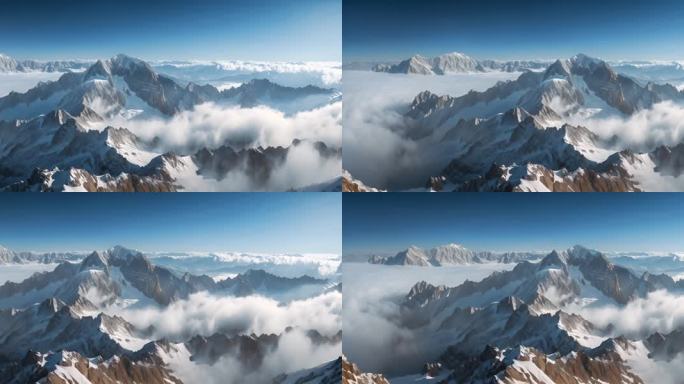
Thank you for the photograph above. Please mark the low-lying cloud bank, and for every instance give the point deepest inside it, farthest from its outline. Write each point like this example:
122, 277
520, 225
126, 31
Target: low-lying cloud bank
205, 314
376, 149
212, 125
659, 311
663, 124
295, 352
375, 338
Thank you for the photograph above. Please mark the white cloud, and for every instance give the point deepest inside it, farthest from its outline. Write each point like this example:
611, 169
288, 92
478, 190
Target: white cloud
212, 125
205, 314
375, 149
659, 311
663, 124
374, 337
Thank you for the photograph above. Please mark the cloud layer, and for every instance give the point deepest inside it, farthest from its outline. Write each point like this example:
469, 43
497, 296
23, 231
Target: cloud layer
376, 150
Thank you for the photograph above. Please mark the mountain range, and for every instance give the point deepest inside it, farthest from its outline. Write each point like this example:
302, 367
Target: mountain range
55, 325
47, 140
515, 136
9, 64
8, 256
527, 324
456, 62
451, 254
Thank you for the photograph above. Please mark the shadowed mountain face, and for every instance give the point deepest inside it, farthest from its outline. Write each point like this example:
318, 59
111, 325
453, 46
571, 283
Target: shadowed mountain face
529, 324
57, 136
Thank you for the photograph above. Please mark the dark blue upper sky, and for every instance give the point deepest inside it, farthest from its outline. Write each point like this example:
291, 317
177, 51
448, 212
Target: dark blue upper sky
388, 223
256, 222
504, 29
172, 29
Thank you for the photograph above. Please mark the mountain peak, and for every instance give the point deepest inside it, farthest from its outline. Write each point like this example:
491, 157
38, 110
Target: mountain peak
101, 70
581, 60
121, 252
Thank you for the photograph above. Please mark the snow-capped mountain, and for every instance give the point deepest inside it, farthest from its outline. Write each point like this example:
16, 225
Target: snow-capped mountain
654, 71
57, 136
111, 272
527, 323
515, 136
8, 256
66, 325
234, 72
125, 85
456, 62
9, 64
451, 254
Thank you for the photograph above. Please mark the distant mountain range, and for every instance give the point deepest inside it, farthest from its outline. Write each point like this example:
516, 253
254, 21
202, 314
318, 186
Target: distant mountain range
8, 64
451, 254
53, 325
456, 62
7, 256
524, 323
47, 143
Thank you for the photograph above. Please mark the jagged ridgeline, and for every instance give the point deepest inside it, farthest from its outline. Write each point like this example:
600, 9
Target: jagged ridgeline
536, 322
535, 133
73, 134
69, 324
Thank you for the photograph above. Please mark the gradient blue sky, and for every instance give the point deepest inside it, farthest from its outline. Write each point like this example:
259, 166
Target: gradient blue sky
256, 222
504, 29
388, 223
269, 30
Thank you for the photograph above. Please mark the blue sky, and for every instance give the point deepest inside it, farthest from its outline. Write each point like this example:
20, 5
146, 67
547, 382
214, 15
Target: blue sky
269, 30
256, 222
504, 29
388, 223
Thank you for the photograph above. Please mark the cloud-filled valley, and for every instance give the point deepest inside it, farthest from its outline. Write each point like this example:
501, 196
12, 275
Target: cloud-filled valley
441, 139
175, 134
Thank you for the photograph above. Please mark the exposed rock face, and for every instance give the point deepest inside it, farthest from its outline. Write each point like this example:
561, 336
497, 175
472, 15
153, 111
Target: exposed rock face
71, 367
349, 184
248, 350
352, 375
257, 163
528, 365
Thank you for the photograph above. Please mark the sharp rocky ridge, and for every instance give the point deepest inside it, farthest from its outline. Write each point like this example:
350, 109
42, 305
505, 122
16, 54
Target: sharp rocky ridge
519, 136
55, 137
524, 324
